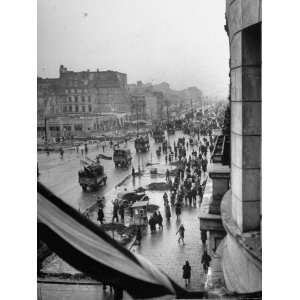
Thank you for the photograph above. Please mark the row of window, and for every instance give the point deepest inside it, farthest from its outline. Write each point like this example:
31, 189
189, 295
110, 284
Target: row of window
76, 108
104, 90
79, 91
77, 98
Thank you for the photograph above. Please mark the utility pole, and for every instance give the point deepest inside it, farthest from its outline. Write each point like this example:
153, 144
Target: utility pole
137, 117
46, 138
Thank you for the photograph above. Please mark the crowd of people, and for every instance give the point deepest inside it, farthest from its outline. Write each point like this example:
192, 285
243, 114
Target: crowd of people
187, 185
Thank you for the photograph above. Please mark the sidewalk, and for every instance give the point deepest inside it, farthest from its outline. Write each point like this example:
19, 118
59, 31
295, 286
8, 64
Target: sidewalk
161, 248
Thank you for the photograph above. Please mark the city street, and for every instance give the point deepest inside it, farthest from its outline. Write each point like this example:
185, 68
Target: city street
61, 175
161, 247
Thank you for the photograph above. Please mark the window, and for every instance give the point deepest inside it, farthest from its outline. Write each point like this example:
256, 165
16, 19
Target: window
90, 108
78, 91
72, 90
65, 109
76, 108
83, 108
89, 97
70, 99
70, 108
83, 98
76, 99
67, 91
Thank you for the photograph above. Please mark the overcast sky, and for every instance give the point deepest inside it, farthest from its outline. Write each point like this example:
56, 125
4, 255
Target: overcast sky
181, 42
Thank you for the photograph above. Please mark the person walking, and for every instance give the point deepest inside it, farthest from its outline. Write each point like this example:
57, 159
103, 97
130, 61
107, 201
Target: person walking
205, 261
200, 193
152, 224
203, 238
159, 220
177, 209
121, 212
187, 273
165, 197
181, 230
100, 217
167, 175
115, 211
61, 151
168, 212
138, 236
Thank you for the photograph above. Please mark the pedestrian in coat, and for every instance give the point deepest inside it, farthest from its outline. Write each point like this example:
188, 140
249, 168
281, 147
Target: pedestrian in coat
203, 238
61, 151
205, 261
159, 220
180, 231
115, 212
200, 193
187, 273
138, 236
167, 175
121, 212
100, 217
152, 224
168, 212
165, 197
177, 209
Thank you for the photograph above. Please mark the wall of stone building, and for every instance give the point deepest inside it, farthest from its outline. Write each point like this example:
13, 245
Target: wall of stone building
152, 107
244, 30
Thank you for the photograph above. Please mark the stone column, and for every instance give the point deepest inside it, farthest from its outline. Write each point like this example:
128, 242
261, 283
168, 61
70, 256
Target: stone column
245, 72
220, 176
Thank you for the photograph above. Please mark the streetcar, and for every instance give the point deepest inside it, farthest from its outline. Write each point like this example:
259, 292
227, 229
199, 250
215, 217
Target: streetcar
158, 135
141, 144
122, 158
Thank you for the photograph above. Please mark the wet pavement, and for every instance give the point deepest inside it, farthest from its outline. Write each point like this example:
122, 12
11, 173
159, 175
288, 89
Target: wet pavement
61, 175
161, 247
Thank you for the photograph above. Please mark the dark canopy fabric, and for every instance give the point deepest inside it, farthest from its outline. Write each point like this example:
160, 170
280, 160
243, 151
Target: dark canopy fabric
82, 244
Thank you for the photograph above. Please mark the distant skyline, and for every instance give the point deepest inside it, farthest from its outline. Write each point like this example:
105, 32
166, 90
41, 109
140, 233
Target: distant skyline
180, 42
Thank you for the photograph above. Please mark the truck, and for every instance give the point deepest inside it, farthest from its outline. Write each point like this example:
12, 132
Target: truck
122, 158
158, 135
141, 144
92, 176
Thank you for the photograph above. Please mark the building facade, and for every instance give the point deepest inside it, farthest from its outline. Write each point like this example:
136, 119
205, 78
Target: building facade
74, 102
153, 106
233, 221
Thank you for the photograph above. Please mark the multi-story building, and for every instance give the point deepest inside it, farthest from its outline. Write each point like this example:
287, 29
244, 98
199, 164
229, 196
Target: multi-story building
138, 107
153, 101
234, 227
76, 101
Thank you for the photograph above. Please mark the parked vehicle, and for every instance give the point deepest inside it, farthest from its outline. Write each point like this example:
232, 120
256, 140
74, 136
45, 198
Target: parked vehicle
122, 158
128, 198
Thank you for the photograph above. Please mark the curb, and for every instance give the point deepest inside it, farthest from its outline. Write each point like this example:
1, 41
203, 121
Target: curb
94, 205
